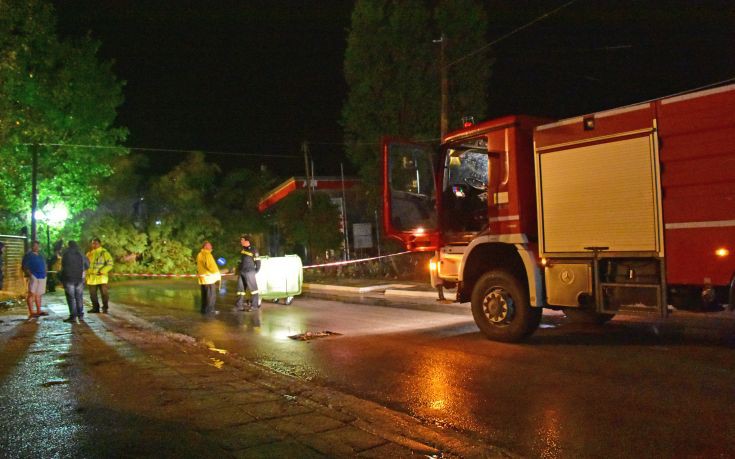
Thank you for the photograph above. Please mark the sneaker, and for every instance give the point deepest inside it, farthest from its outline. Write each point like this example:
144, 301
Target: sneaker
70, 320
42, 313
94, 311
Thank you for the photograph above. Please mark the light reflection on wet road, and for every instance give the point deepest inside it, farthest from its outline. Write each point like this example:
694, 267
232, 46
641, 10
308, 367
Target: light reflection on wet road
571, 391
38, 385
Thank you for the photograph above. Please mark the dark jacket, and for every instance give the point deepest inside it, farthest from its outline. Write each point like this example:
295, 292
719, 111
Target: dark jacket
249, 260
73, 265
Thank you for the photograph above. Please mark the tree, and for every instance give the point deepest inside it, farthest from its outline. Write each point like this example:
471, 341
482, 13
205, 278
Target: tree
316, 229
119, 219
391, 68
180, 212
463, 23
157, 224
56, 95
236, 204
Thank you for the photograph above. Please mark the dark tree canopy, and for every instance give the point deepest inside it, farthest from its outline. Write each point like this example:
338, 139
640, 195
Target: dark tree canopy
392, 70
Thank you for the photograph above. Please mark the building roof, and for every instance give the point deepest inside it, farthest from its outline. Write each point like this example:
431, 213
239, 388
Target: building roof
299, 183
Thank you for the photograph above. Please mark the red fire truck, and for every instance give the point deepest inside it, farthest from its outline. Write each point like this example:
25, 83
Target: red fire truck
622, 211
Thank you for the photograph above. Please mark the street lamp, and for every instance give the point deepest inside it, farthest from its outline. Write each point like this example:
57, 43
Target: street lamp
53, 214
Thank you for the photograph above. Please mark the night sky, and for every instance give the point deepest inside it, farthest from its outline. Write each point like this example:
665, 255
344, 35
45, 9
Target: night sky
260, 77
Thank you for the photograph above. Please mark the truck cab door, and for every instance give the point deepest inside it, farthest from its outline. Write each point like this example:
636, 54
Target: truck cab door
409, 195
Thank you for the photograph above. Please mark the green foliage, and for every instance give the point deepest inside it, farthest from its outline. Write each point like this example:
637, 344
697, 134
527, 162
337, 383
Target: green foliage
52, 93
126, 244
181, 201
158, 225
317, 228
165, 255
236, 205
391, 68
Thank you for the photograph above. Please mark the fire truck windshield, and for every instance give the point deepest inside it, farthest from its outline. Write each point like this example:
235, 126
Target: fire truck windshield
464, 193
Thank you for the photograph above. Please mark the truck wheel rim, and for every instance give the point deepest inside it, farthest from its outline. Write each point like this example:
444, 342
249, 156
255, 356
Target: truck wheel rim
498, 306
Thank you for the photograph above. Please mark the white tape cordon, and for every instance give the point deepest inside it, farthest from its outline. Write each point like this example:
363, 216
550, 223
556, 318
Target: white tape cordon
324, 265
347, 262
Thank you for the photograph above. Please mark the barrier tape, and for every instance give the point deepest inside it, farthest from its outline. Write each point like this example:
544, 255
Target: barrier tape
154, 275
324, 265
111, 274
347, 262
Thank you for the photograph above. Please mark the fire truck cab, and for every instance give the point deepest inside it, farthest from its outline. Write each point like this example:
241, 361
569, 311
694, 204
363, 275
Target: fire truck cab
621, 211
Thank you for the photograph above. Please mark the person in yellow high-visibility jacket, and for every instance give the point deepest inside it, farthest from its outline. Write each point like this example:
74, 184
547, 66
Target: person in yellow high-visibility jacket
208, 275
100, 263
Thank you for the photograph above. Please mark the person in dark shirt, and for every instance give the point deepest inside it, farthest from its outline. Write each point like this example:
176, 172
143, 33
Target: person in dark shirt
73, 265
248, 267
34, 267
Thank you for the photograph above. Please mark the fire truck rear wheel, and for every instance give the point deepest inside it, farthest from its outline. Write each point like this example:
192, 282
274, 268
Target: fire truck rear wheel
501, 308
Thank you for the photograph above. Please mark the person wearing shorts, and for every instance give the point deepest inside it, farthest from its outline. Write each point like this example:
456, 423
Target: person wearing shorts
34, 266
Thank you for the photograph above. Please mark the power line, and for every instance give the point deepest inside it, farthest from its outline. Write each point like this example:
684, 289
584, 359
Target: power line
160, 150
512, 32
209, 152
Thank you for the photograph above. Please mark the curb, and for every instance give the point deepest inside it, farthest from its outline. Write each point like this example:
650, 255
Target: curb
451, 296
343, 288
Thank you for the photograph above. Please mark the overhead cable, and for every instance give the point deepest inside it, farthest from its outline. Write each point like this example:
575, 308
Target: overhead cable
162, 150
512, 32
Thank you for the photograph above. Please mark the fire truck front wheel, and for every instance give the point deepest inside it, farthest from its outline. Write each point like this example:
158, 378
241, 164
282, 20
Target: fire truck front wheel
501, 308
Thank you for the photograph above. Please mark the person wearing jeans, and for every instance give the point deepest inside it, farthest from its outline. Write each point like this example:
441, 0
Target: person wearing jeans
73, 265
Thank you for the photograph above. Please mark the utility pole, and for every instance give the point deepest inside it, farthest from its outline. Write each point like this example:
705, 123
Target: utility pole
444, 116
444, 76
305, 149
34, 190
344, 214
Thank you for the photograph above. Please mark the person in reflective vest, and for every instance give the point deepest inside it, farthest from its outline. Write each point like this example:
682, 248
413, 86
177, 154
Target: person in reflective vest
248, 267
100, 263
208, 275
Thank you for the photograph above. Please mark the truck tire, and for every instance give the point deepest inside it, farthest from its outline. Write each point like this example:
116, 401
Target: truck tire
501, 308
586, 316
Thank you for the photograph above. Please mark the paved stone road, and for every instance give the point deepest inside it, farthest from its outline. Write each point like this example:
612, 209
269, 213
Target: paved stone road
118, 387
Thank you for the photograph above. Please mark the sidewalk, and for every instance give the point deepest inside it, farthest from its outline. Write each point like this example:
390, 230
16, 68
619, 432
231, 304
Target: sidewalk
118, 386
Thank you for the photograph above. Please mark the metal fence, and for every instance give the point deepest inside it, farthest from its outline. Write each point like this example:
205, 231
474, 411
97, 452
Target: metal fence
15, 247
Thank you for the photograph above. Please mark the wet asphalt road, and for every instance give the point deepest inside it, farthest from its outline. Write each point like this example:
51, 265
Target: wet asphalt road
621, 390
